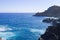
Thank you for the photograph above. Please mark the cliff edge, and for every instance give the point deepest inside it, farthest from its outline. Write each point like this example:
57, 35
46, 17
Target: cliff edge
52, 32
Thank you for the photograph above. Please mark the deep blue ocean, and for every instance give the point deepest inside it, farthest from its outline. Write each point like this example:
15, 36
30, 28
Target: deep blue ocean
21, 26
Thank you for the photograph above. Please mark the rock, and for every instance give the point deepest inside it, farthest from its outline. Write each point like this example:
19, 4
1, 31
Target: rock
51, 20
52, 32
41, 39
48, 20
53, 11
56, 22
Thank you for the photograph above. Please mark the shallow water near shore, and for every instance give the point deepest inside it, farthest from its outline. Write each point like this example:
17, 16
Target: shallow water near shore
21, 26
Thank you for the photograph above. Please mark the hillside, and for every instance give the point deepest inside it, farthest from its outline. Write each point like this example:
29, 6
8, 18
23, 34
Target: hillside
53, 11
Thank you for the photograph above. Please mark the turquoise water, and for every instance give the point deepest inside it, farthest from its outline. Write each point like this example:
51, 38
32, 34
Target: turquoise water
21, 26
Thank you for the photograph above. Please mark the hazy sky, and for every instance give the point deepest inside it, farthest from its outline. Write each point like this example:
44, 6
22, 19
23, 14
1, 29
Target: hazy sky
26, 5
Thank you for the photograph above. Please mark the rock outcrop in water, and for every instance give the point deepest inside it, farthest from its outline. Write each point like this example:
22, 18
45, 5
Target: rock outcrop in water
49, 20
53, 11
52, 32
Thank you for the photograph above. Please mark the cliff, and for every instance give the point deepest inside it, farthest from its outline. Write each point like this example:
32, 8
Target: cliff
52, 32
53, 11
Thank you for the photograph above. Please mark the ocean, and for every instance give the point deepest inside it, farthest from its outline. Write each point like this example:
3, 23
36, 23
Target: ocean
21, 26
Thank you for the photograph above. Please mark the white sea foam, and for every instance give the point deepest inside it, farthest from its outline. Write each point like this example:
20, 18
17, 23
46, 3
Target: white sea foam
4, 28
5, 35
52, 17
41, 31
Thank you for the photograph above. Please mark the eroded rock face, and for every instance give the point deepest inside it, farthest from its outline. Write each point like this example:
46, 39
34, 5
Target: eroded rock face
52, 33
49, 20
53, 11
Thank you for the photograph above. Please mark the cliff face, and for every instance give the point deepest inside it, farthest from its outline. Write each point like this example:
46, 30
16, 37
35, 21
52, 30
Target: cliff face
53, 11
52, 32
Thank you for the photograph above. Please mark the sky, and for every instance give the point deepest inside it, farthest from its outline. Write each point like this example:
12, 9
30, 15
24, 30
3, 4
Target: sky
26, 5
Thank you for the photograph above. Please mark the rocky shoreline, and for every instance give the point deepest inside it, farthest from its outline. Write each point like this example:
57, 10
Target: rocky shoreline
52, 32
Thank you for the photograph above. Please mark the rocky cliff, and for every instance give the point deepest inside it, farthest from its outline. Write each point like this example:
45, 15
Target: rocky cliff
53, 11
52, 32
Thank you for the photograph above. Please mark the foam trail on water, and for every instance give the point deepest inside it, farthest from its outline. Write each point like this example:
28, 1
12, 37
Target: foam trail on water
6, 34
3, 32
41, 31
4, 28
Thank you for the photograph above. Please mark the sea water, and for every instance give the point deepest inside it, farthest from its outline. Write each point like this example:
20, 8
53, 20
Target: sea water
21, 26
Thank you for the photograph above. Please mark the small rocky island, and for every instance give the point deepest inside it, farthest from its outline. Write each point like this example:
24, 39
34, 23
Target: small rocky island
53, 31
53, 11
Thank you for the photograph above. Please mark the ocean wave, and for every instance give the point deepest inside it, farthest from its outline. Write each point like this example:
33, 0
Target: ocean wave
20, 31
33, 30
41, 31
4, 32
5, 28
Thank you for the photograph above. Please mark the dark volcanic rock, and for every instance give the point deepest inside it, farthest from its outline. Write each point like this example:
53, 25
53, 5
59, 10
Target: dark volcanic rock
51, 20
48, 20
52, 32
53, 11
